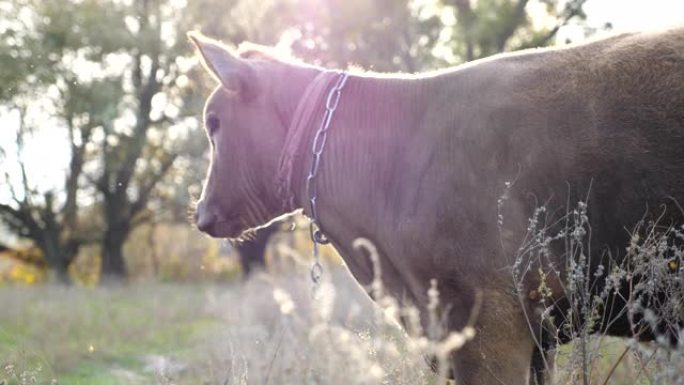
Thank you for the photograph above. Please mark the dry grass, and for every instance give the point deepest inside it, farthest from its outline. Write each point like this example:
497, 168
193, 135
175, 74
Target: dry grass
648, 279
264, 331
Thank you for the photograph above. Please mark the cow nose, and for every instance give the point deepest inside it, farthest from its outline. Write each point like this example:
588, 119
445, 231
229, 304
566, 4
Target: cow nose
204, 219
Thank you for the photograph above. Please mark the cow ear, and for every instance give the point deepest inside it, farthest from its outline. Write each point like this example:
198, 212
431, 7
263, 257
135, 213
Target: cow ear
234, 74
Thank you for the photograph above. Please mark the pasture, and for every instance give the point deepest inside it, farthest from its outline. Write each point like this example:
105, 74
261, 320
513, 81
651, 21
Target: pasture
264, 331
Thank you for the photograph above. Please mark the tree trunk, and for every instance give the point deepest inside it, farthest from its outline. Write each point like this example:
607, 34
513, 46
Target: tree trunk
113, 263
252, 252
56, 255
62, 273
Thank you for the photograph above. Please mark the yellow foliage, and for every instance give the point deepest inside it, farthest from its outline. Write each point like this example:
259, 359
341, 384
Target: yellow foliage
16, 272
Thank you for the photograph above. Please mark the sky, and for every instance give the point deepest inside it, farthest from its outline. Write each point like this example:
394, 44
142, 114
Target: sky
49, 154
635, 15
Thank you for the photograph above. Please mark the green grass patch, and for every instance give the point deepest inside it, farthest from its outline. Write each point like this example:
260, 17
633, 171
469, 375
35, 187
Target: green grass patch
99, 336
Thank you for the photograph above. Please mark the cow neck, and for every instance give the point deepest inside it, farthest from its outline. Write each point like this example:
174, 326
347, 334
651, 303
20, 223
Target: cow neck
302, 128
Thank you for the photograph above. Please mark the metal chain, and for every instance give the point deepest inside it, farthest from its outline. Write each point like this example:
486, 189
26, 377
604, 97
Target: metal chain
317, 236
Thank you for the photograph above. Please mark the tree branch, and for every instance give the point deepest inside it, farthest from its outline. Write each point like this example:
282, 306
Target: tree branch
146, 189
22, 168
71, 184
20, 220
512, 25
102, 183
146, 92
466, 18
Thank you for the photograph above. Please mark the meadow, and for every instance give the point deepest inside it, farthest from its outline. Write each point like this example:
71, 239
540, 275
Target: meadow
263, 331
266, 330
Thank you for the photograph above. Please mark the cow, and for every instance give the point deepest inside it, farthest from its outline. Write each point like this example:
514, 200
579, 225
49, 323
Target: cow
420, 166
252, 251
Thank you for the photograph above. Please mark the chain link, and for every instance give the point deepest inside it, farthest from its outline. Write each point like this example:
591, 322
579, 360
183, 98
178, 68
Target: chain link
319, 141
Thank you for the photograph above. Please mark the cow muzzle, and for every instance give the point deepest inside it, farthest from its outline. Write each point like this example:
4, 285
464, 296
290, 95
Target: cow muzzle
204, 219
209, 220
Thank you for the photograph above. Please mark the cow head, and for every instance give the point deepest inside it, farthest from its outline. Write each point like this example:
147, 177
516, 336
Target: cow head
246, 132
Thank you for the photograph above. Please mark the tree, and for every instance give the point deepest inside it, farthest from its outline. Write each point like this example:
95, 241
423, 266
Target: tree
480, 32
120, 100
138, 154
417, 36
32, 53
35, 215
382, 35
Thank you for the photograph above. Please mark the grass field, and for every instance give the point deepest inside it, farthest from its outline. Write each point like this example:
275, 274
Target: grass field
264, 331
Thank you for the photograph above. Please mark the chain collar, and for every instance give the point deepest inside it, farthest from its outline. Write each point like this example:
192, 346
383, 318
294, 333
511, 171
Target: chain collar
319, 141
302, 119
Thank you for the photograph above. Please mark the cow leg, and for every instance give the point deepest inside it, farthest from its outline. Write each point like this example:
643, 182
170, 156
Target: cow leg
541, 371
501, 352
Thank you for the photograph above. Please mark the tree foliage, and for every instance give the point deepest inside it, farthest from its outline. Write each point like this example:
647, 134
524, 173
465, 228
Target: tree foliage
104, 85
40, 57
387, 35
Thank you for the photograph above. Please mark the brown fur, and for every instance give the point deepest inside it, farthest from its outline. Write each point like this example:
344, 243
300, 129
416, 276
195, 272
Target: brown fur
416, 164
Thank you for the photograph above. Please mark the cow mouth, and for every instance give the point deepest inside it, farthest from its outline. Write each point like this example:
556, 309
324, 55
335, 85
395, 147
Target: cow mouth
230, 228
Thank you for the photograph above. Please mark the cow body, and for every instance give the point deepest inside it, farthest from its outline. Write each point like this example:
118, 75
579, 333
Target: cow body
418, 165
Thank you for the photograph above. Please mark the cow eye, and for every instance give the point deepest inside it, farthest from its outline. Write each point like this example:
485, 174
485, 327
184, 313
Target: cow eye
213, 124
